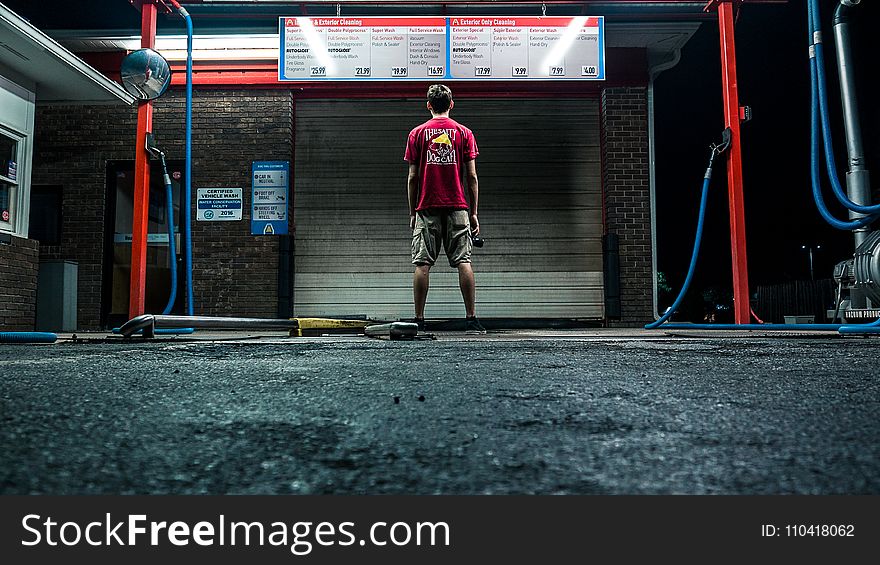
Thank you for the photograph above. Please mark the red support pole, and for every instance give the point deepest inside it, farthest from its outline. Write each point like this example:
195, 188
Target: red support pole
137, 288
726, 17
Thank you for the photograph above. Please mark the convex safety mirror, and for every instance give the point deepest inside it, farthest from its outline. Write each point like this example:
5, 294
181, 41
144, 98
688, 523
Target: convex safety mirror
145, 74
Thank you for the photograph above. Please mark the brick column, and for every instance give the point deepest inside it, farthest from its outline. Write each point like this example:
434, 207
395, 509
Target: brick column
18, 284
626, 196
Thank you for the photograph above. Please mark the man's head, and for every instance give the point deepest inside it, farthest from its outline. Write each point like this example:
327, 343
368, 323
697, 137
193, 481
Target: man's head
439, 98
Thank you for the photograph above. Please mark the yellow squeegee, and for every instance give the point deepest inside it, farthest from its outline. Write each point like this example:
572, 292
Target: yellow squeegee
320, 326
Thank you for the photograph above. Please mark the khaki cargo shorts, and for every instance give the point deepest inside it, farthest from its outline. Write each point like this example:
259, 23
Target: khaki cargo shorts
451, 227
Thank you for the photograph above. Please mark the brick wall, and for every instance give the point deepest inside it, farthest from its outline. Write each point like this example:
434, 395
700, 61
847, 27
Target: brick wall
18, 284
626, 191
234, 273
71, 148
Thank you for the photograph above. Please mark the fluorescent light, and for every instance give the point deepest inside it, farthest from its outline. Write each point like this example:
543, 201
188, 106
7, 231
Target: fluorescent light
220, 47
220, 54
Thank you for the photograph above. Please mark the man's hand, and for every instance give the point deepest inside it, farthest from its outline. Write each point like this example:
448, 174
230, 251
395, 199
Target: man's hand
475, 225
412, 222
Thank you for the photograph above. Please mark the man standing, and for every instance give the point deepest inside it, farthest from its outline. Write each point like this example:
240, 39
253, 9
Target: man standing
441, 152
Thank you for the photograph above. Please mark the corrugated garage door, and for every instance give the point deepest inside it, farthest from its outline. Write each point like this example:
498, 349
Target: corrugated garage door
540, 210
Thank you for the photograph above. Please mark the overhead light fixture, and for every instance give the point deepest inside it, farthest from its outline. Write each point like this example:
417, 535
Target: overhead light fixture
220, 47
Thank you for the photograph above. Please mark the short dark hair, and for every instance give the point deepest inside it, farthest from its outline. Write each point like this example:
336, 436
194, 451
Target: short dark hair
439, 97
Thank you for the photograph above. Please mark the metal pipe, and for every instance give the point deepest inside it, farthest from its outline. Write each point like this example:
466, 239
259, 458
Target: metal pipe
819, 129
858, 186
225, 323
149, 322
143, 322
653, 72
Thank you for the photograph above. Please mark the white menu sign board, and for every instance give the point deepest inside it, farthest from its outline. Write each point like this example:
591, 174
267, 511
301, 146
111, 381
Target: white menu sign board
466, 48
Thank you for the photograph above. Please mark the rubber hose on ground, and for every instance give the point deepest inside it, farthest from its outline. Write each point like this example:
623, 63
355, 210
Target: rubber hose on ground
27, 337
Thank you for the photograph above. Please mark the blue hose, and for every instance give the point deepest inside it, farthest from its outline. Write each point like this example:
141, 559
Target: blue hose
867, 328
817, 72
814, 165
187, 198
696, 252
690, 275
813, 327
172, 245
27, 337
872, 328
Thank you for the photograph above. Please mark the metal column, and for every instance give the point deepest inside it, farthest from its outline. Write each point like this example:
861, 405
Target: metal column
726, 18
858, 183
137, 288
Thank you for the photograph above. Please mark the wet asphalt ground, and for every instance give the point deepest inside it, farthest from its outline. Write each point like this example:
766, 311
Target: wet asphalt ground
600, 412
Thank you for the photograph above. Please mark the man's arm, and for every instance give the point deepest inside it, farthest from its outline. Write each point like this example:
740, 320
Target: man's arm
412, 192
474, 194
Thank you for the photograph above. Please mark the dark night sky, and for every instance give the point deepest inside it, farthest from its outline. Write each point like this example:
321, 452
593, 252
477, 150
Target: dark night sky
774, 80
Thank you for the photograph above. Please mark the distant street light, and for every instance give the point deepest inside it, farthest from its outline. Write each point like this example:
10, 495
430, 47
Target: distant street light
809, 249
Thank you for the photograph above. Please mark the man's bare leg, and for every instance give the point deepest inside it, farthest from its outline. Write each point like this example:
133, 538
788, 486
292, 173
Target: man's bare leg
468, 288
420, 289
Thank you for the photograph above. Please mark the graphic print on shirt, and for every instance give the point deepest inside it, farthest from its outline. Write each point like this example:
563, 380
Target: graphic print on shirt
439, 146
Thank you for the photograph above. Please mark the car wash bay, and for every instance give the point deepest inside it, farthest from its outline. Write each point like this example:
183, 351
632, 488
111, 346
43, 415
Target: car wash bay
540, 209
561, 166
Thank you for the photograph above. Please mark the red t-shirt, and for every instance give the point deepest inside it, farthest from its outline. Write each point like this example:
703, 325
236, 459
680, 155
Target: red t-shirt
441, 147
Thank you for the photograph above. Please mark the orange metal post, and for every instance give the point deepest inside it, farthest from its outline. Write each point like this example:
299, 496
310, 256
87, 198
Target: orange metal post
726, 17
140, 220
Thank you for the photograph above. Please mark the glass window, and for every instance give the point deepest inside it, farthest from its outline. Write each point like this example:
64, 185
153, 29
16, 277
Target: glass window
8, 180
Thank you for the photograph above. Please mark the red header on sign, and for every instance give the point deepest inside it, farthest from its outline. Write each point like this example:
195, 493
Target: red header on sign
441, 22
370, 22
519, 22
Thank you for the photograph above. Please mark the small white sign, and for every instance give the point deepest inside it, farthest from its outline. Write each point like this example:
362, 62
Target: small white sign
126, 238
273, 195
264, 178
218, 204
270, 213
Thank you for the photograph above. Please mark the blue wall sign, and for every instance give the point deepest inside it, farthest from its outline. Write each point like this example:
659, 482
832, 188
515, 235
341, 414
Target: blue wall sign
269, 197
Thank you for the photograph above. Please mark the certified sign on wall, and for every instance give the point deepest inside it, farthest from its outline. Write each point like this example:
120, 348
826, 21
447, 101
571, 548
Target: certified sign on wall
271, 181
467, 48
218, 204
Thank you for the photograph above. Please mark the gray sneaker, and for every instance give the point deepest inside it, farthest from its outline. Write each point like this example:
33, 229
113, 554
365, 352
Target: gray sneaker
473, 326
